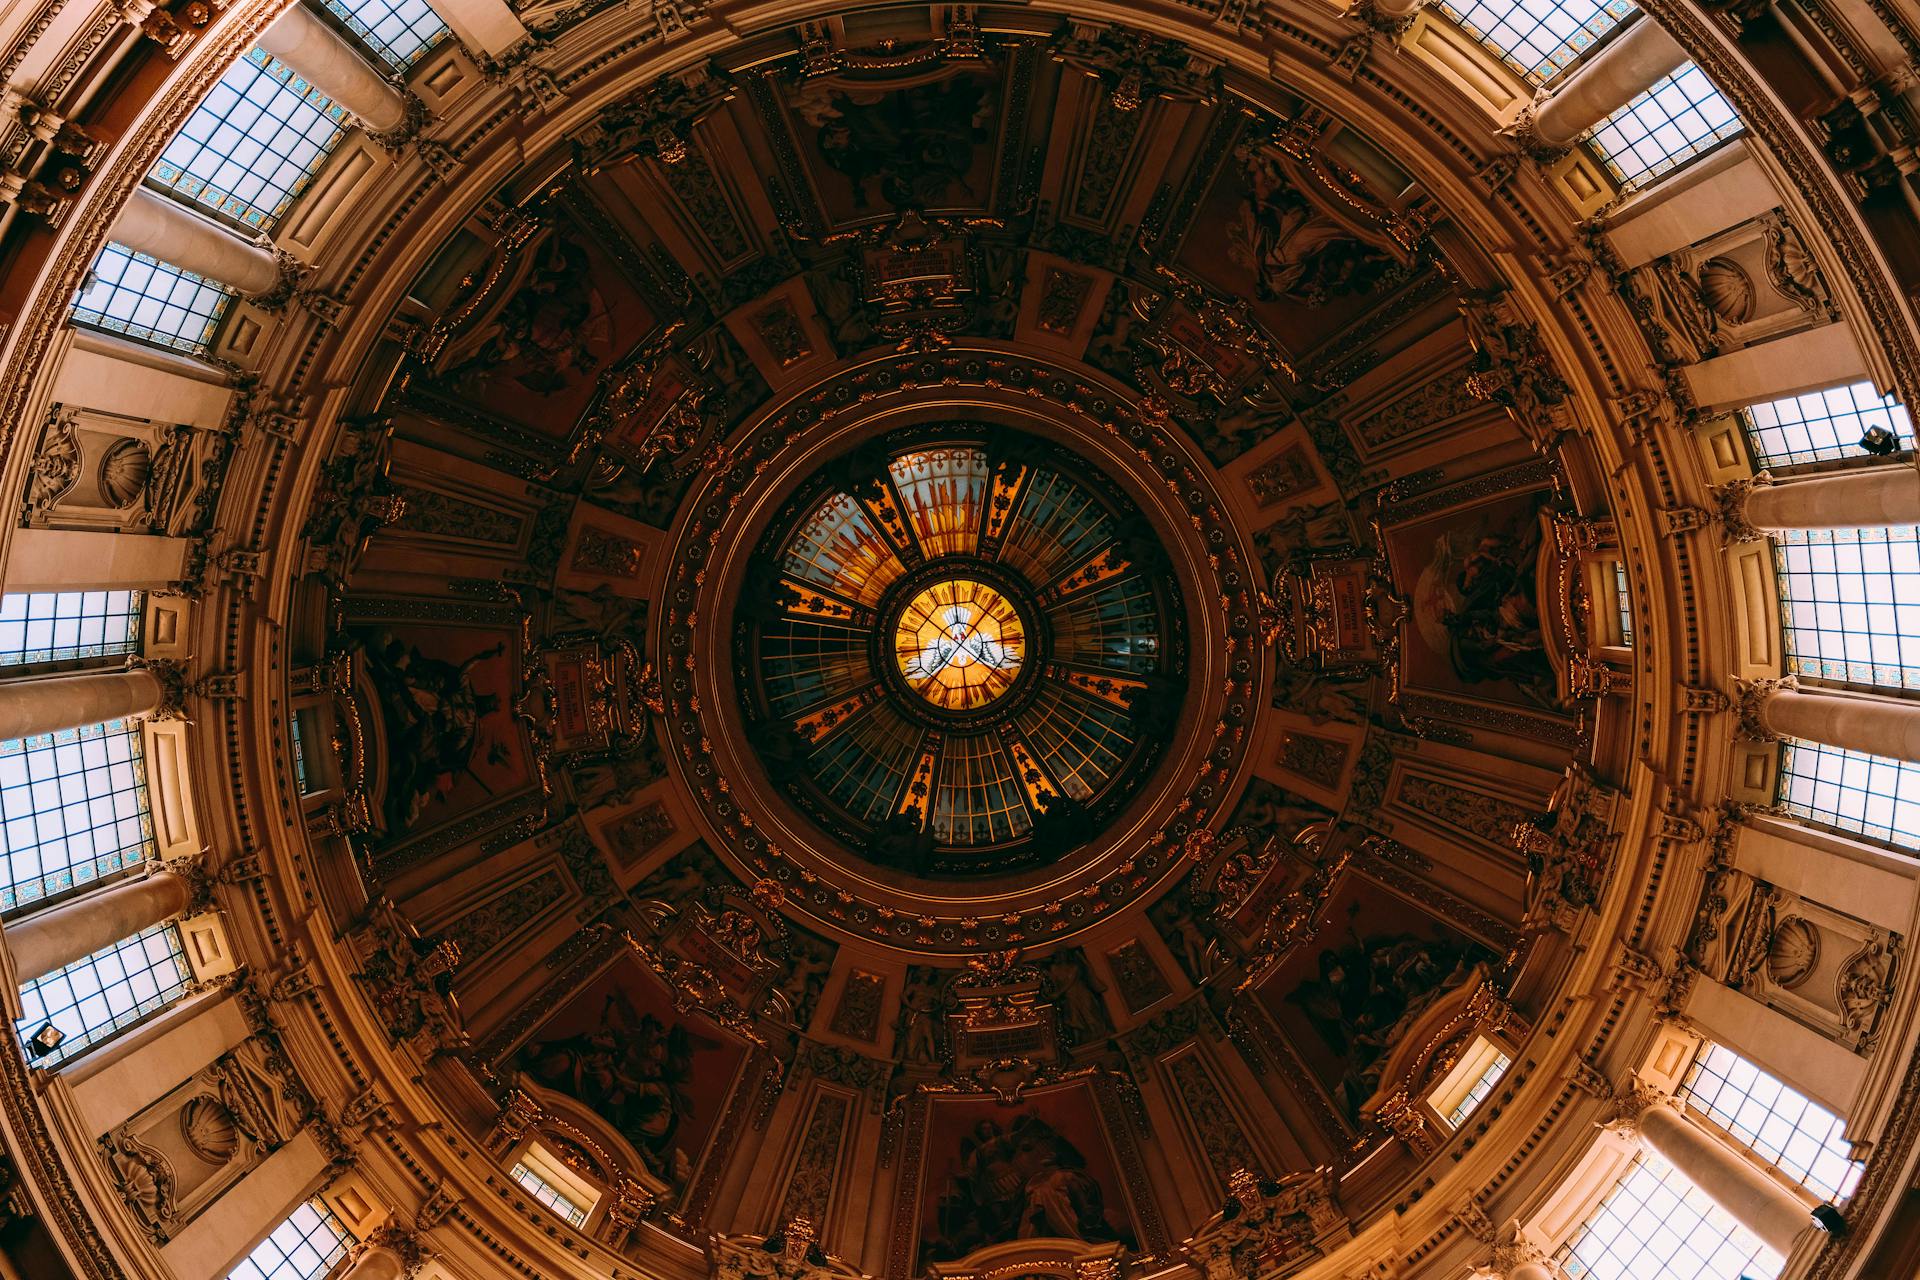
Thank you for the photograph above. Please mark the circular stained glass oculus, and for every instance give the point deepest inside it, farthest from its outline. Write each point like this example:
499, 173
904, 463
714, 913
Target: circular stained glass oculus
959, 644
959, 650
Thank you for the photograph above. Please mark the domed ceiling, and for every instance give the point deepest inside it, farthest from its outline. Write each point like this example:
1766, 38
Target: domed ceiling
940, 590
966, 555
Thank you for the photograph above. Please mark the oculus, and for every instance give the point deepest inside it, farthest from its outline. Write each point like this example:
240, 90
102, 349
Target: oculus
960, 650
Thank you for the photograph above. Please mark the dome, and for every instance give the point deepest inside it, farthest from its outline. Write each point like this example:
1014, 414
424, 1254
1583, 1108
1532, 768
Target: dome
946, 642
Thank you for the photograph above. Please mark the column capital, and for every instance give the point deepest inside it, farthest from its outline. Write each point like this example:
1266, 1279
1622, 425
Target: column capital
1730, 504
1630, 1103
1750, 704
1516, 1256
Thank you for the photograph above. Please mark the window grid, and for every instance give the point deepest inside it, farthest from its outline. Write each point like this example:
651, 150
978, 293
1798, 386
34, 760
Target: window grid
62, 626
1820, 426
1677, 119
1481, 1088
73, 808
395, 31
549, 1195
304, 1247
1538, 38
1797, 1135
141, 297
1850, 603
106, 992
1623, 602
1656, 1225
1852, 791
252, 144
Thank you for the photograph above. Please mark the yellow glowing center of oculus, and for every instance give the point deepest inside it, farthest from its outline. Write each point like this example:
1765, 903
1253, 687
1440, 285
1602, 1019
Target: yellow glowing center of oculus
960, 644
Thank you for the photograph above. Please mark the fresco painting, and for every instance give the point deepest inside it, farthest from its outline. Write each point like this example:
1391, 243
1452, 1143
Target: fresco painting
878, 148
1345, 997
1475, 621
659, 1077
445, 703
995, 1172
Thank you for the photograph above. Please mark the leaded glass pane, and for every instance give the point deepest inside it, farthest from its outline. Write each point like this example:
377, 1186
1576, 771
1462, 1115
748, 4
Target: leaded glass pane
304, 1247
105, 992
1821, 425
1538, 38
252, 144
132, 294
1796, 1135
547, 1194
1481, 1087
1850, 603
73, 808
1657, 1225
395, 31
1678, 118
1852, 791
65, 626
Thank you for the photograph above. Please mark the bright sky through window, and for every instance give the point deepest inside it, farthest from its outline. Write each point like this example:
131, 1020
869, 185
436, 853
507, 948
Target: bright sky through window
62, 626
304, 1247
73, 808
1538, 38
1821, 425
1677, 119
395, 31
132, 294
105, 992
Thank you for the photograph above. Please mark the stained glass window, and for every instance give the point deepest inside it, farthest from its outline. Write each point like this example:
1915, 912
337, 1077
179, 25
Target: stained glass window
1058, 526
105, 992
979, 799
73, 808
1538, 38
864, 767
1623, 602
549, 1195
1657, 1225
1850, 603
1678, 118
1821, 425
130, 293
1116, 626
304, 1247
252, 144
838, 548
959, 644
64, 626
395, 31
1852, 791
1080, 743
943, 494
1796, 1135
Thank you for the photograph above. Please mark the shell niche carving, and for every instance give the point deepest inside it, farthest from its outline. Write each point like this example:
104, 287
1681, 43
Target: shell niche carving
1793, 952
210, 1130
1726, 290
123, 472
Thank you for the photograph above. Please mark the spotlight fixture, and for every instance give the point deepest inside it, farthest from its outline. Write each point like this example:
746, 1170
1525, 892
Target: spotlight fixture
45, 1040
1880, 442
1829, 1219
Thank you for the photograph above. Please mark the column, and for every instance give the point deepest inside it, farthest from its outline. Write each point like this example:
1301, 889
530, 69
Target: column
52, 939
169, 231
1851, 500
1516, 1257
1853, 722
1397, 10
1755, 1200
68, 702
312, 48
1627, 67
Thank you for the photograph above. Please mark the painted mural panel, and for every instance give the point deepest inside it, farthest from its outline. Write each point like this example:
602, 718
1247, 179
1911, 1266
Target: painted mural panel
1279, 232
924, 141
565, 313
1472, 577
445, 693
1041, 1166
1374, 966
660, 1078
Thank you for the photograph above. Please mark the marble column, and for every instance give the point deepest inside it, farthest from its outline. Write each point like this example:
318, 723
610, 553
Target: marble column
1625, 68
54, 938
1735, 1183
1852, 500
166, 229
312, 48
1854, 722
1397, 10
68, 702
